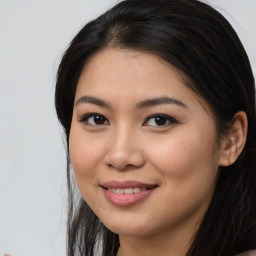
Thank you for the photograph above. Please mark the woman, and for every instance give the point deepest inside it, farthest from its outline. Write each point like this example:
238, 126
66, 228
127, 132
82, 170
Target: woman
157, 100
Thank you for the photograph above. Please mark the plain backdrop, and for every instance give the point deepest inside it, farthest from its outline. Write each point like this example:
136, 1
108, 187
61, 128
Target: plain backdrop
33, 36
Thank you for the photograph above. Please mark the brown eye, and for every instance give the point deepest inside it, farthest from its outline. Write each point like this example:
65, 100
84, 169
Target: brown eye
158, 120
99, 120
94, 119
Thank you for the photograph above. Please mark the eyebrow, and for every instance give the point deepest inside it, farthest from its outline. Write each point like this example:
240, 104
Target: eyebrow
143, 104
159, 101
93, 100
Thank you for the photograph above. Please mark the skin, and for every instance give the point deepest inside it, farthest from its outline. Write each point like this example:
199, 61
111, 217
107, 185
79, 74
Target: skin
182, 157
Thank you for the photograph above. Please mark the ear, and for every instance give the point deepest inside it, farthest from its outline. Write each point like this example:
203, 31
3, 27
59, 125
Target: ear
233, 143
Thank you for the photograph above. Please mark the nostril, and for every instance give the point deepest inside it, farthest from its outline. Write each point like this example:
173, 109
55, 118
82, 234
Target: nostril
121, 160
122, 167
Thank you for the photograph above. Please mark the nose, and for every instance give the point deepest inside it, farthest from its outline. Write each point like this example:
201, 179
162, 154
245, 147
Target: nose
125, 150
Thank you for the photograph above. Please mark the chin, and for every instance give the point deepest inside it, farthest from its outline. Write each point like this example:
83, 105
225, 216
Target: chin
131, 229
127, 228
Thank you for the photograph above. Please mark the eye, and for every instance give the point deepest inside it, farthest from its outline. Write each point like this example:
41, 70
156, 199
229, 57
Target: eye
94, 119
159, 120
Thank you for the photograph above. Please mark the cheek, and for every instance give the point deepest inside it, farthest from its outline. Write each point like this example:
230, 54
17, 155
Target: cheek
183, 156
85, 155
188, 170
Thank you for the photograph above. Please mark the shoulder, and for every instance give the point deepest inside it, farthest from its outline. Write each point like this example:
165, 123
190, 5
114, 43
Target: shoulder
248, 253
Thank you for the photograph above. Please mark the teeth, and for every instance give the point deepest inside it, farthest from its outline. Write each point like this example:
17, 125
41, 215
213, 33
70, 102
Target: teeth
126, 190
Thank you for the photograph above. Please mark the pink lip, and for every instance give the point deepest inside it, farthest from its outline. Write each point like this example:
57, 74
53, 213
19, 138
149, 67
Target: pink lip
127, 199
127, 184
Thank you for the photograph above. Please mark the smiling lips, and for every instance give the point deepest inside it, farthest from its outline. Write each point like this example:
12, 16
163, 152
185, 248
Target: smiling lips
127, 193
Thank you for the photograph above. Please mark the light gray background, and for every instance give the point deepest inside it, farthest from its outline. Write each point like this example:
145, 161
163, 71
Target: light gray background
33, 36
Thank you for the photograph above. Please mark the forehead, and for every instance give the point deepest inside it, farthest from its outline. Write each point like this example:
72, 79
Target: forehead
125, 73
127, 65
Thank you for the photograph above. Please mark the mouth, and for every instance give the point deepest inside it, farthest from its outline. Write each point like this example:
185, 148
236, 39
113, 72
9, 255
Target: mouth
127, 193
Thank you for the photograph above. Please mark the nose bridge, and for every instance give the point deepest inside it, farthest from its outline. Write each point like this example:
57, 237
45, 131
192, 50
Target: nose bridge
124, 147
122, 135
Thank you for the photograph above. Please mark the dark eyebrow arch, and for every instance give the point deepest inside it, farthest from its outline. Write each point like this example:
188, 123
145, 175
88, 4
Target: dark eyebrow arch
93, 100
159, 101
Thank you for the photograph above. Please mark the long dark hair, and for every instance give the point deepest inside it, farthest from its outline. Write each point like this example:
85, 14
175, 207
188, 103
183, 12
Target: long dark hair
198, 41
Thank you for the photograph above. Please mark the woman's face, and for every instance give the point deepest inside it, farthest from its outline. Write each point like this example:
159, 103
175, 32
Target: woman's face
143, 146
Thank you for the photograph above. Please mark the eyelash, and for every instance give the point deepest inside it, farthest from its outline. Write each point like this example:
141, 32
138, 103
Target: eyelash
170, 120
84, 119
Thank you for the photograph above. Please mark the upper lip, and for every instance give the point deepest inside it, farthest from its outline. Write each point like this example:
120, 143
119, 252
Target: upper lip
127, 184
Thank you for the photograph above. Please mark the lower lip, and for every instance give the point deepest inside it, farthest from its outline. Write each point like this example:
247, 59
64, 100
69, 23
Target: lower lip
126, 199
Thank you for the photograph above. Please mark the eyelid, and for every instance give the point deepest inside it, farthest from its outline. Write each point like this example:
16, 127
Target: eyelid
171, 119
84, 118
